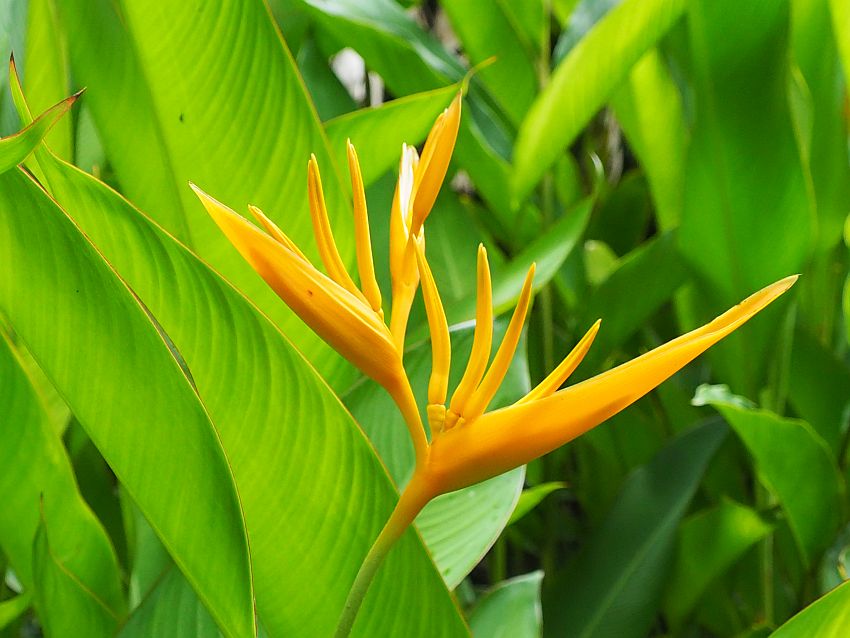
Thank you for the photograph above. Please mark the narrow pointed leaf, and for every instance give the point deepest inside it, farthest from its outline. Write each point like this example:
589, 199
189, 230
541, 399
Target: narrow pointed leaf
179, 476
15, 148
583, 82
69, 607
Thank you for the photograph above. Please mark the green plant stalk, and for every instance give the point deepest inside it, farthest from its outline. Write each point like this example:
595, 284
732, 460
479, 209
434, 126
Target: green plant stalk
410, 503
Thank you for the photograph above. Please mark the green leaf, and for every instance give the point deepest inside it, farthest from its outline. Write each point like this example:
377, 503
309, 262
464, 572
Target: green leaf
461, 526
616, 582
532, 497
622, 310
69, 608
819, 389
797, 466
378, 132
841, 25
511, 609
14, 149
742, 120
13, 608
486, 30
37, 479
827, 617
583, 82
171, 610
549, 251
46, 69
406, 57
314, 493
75, 314
215, 98
710, 542
649, 108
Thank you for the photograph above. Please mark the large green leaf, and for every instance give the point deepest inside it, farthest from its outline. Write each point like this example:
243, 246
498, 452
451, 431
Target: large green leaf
314, 493
615, 584
486, 30
583, 82
511, 609
461, 526
69, 607
37, 480
215, 98
710, 541
797, 466
97, 344
378, 133
827, 617
735, 218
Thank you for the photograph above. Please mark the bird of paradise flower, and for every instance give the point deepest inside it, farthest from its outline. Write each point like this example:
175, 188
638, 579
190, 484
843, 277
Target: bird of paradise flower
467, 443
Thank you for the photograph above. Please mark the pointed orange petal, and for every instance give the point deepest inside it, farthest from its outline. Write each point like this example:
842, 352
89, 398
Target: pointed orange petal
273, 230
322, 230
560, 374
435, 162
481, 341
441, 349
365, 265
485, 392
510, 437
331, 311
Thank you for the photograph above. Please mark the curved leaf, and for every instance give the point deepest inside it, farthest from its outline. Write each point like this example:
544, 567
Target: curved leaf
827, 617
37, 479
75, 314
71, 608
615, 584
583, 81
797, 465
215, 98
14, 149
314, 493
510, 610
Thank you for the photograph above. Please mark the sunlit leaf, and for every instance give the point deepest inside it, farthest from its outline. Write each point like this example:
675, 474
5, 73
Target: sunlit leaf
75, 314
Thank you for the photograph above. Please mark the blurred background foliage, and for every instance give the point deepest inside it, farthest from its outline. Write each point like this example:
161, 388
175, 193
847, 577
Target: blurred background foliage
659, 159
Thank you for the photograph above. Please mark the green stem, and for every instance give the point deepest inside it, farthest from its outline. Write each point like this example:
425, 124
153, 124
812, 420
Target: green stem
410, 503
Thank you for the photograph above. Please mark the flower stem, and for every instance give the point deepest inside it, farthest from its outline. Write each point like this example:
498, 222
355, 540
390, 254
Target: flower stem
412, 500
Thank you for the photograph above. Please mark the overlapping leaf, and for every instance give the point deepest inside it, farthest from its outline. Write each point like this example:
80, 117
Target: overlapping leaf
97, 344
